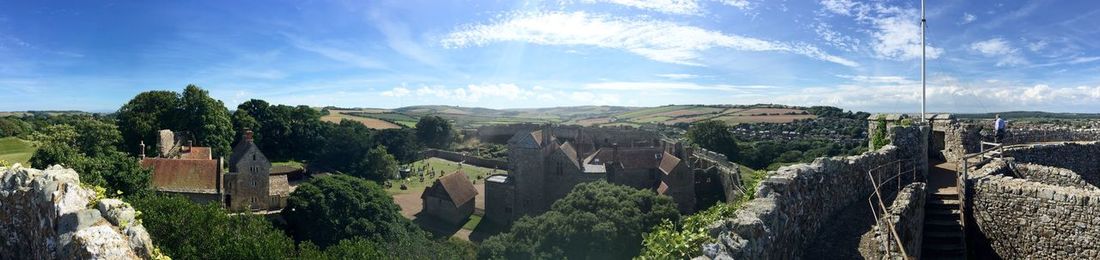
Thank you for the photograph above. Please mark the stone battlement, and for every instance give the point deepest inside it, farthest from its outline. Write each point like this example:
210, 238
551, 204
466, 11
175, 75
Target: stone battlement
47, 214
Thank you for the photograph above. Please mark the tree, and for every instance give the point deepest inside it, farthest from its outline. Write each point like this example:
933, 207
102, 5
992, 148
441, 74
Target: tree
715, 136
597, 220
142, 116
345, 145
92, 152
377, 166
328, 209
185, 230
434, 132
207, 119
399, 142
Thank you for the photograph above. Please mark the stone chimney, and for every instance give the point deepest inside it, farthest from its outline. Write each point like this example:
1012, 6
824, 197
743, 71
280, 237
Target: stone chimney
248, 135
615, 152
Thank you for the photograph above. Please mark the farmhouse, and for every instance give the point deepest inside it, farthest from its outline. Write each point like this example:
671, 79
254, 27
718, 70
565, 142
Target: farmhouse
192, 172
450, 198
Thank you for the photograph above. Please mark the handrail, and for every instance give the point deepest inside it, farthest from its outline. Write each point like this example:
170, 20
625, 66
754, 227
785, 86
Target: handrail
877, 184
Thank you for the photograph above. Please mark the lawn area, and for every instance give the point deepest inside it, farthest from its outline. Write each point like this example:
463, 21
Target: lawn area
15, 150
474, 220
437, 165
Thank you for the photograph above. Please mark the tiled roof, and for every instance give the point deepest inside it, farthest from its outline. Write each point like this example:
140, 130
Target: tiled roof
184, 175
197, 153
669, 163
455, 187
570, 153
630, 158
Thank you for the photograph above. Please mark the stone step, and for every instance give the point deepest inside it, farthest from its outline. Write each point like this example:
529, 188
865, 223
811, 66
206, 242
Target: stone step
943, 247
944, 202
943, 234
942, 212
943, 223
942, 255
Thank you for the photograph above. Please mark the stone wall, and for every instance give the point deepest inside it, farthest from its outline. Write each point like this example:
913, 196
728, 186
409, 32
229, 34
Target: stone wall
471, 160
1082, 158
46, 214
1024, 219
795, 201
1049, 175
906, 215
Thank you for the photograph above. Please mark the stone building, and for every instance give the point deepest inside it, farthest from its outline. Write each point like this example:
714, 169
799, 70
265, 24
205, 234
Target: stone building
544, 168
450, 198
192, 172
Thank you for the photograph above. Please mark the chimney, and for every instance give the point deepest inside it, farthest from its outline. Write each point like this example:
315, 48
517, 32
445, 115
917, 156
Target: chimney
248, 135
615, 152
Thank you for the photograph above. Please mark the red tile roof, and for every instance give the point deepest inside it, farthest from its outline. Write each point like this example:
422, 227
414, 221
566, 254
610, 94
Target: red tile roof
197, 153
184, 175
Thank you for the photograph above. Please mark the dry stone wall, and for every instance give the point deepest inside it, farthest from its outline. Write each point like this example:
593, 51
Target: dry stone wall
1082, 158
906, 215
46, 214
1025, 219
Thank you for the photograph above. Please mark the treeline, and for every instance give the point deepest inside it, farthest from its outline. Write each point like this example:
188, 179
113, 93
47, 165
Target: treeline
342, 216
828, 111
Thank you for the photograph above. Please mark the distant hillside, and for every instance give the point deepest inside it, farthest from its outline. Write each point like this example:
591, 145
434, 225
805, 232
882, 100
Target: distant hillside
469, 117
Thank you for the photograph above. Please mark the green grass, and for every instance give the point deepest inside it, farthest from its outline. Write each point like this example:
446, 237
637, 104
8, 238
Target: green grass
294, 164
15, 150
438, 165
470, 225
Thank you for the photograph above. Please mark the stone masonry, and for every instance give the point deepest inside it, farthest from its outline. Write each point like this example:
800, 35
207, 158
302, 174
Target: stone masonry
906, 215
795, 201
46, 214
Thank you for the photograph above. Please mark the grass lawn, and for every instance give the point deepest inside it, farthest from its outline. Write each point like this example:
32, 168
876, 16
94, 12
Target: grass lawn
438, 165
15, 150
293, 164
470, 225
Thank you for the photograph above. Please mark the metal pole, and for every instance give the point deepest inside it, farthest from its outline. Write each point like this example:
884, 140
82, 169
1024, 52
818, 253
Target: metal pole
923, 90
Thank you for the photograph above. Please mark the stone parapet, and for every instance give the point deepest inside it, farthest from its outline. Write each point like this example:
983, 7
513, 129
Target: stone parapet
47, 214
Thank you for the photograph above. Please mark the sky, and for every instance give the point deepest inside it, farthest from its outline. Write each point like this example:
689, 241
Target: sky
982, 56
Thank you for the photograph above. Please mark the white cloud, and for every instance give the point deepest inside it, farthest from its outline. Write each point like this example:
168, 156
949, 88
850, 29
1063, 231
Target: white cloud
999, 48
656, 40
879, 79
680, 7
335, 53
1037, 46
586, 97
471, 93
665, 86
968, 18
944, 96
396, 92
834, 38
678, 76
684, 7
895, 32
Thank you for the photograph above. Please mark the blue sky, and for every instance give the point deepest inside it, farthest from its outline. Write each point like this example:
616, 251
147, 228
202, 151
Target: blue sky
984, 55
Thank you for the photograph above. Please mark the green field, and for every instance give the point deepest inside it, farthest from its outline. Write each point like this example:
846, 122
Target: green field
438, 165
15, 150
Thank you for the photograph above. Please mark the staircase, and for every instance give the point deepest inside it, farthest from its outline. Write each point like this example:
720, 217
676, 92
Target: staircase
943, 232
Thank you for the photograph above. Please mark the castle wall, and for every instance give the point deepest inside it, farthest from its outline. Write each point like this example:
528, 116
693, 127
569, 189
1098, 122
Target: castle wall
795, 201
1081, 158
1026, 219
471, 160
499, 202
46, 214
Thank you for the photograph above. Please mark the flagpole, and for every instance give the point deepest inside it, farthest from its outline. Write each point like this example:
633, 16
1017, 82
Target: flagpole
923, 85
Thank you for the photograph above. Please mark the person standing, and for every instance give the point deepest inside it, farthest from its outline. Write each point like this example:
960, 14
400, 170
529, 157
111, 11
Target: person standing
999, 128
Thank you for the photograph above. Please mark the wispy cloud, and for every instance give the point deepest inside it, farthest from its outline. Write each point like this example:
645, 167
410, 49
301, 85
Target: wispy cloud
335, 53
672, 86
895, 32
999, 48
656, 40
678, 76
968, 18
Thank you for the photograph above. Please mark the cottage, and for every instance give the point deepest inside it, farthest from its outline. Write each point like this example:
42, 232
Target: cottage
450, 198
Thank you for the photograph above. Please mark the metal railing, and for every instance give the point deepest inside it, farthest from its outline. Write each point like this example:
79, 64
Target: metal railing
880, 177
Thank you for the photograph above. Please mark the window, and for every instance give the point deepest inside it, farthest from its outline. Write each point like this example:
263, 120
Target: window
253, 157
253, 182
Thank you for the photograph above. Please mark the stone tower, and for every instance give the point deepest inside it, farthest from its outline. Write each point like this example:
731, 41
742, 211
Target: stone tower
526, 157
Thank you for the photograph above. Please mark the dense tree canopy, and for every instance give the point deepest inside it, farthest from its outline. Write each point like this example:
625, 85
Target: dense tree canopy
596, 220
194, 112
91, 149
435, 132
399, 142
139, 119
282, 132
715, 136
10, 126
328, 209
377, 166
206, 119
185, 230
